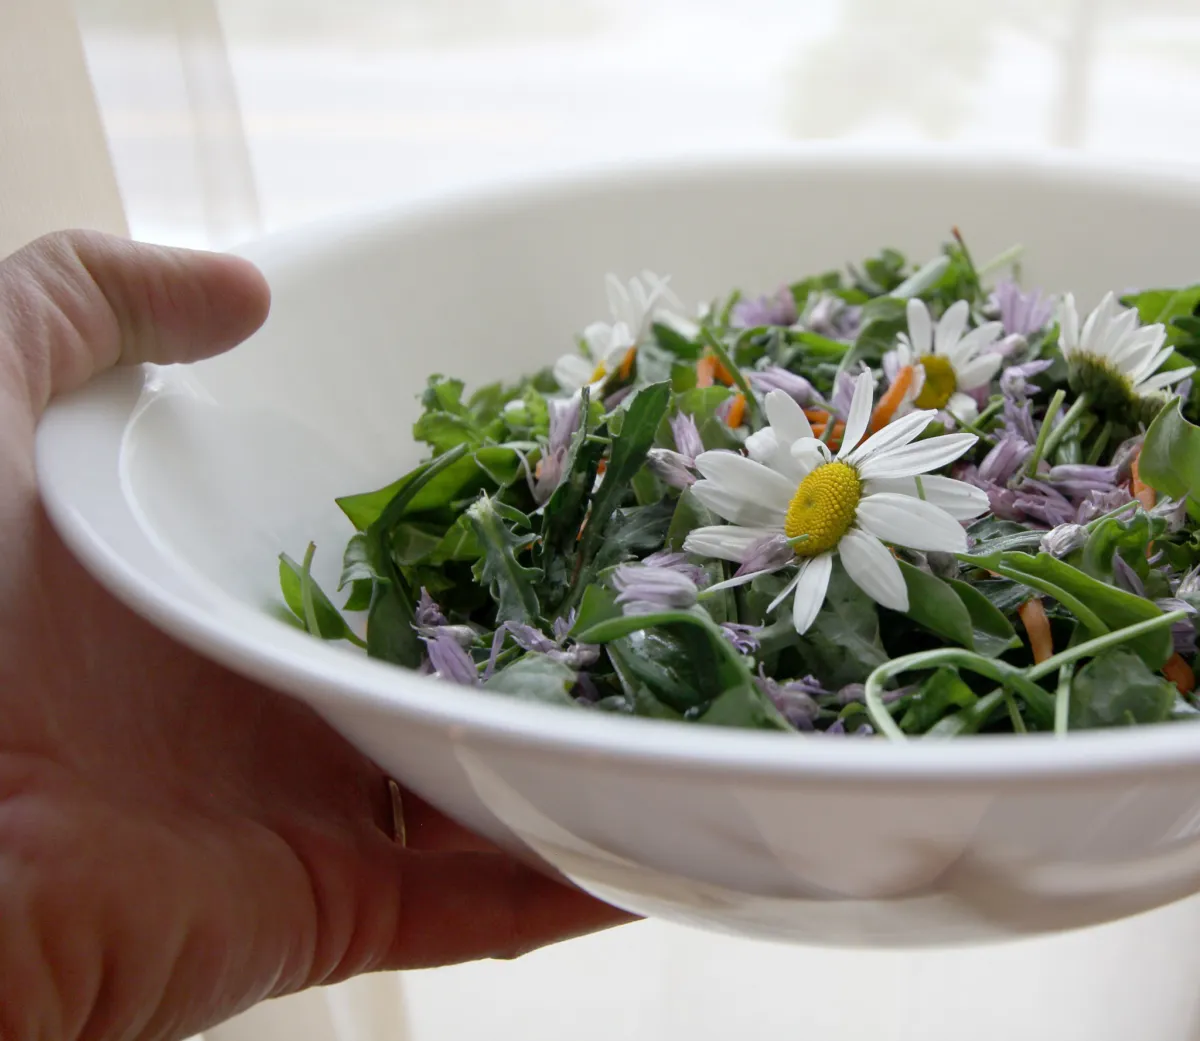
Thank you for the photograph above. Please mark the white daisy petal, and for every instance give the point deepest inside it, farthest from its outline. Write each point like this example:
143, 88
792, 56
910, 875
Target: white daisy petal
978, 371
963, 407
898, 432
737, 508
764, 446
920, 327
976, 340
1068, 319
811, 586
961, 500
873, 569
1150, 363
860, 413
915, 523
809, 454
725, 541
786, 416
741, 476
950, 329
573, 371
921, 457
1164, 379
787, 591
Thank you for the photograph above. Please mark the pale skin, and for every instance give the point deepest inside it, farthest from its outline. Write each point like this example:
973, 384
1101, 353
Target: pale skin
177, 843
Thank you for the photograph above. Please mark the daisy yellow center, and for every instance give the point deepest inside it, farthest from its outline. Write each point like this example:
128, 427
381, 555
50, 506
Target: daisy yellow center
823, 508
598, 373
940, 382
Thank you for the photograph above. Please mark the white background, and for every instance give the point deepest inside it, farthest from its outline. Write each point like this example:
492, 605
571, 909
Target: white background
289, 110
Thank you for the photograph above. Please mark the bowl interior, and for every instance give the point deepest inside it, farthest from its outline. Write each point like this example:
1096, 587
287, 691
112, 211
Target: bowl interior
238, 458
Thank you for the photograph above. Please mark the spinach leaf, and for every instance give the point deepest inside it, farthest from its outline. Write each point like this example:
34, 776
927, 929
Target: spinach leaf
535, 677
940, 694
1117, 689
843, 645
993, 632
936, 606
1170, 459
330, 623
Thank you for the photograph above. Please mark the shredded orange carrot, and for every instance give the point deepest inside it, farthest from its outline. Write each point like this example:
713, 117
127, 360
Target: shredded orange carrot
1037, 628
1180, 673
722, 374
1138, 488
706, 371
891, 399
816, 415
601, 467
626, 369
737, 412
835, 439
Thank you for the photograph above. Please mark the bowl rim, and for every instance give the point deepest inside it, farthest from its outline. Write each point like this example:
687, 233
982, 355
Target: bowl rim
331, 680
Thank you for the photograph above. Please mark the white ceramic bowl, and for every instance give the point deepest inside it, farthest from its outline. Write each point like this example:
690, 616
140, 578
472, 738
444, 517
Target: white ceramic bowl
179, 487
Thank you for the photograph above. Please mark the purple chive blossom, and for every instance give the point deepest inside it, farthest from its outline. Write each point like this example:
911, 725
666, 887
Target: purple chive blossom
1064, 540
1126, 452
775, 377
1124, 577
1183, 390
1189, 585
647, 590
678, 468
429, 615
778, 309
768, 554
1080, 480
1002, 463
1017, 418
838, 729
533, 640
743, 637
564, 421
830, 316
1021, 313
843, 391
1040, 502
448, 660
1097, 504
1173, 511
796, 699
1183, 632
677, 562
686, 435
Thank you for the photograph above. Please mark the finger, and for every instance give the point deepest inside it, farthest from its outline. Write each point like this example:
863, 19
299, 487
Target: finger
75, 303
428, 829
457, 907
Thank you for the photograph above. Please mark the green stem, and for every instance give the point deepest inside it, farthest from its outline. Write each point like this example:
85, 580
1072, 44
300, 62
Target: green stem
1008, 676
740, 381
306, 591
1062, 699
993, 407
1008, 257
1039, 449
1099, 445
1074, 414
1091, 648
1014, 713
1133, 504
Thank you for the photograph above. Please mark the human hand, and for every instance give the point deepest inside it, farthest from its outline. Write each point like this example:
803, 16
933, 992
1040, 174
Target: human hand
176, 842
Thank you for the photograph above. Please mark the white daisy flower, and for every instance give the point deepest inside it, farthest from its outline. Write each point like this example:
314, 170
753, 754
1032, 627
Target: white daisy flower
1114, 359
946, 363
611, 346
848, 505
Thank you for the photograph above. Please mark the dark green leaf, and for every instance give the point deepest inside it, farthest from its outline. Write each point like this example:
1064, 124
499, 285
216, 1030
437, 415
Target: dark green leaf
330, 623
1128, 537
689, 515
598, 605
843, 644
747, 707
1165, 306
994, 633
390, 635
1170, 459
940, 694
511, 582
635, 531
675, 342
935, 605
444, 430
1117, 689
535, 677
356, 562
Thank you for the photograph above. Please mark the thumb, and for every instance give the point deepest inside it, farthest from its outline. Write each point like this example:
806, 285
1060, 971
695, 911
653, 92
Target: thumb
75, 303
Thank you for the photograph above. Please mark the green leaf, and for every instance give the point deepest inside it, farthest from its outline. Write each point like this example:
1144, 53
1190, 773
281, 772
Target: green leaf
1166, 305
535, 677
1000, 536
842, 646
746, 707
390, 619
357, 564
511, 582
459, 543
626, 457
994, 633
598, 605
635, 531
1170, 459
936, 606
1130, 538
443, 395
674, 342
816, 346
330, 623
445, 430
689, 515
1098, 606
940, 694
1117, 689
